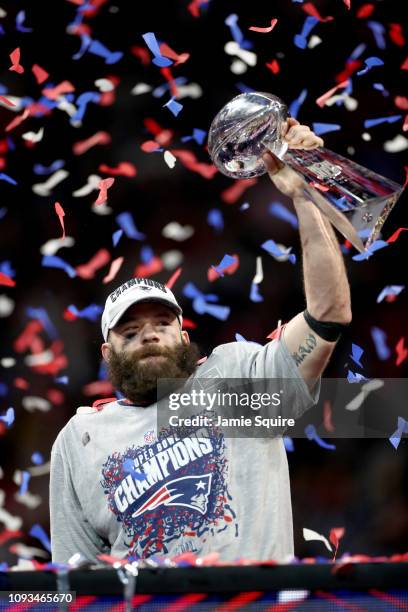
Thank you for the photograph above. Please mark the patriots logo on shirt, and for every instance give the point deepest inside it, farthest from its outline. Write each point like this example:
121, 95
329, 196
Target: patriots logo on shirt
189, 491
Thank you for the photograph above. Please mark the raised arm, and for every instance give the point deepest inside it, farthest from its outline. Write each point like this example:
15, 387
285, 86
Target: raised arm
311, 338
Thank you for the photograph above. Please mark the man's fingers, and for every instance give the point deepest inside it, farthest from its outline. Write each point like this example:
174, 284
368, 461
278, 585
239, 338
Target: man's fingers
272, 163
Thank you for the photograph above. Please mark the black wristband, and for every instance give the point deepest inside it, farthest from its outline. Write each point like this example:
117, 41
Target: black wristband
325, 329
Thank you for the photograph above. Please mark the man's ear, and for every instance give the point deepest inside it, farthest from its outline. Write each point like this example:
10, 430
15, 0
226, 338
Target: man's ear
185, 337
105, 350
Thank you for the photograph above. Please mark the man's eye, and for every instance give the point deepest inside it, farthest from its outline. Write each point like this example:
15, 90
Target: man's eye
129, 334
164, 323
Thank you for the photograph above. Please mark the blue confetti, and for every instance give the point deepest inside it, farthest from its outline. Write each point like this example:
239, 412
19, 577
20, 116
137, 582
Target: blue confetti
85, 43
25, 479
232, 22
41, 315
20, 18
9, 417
356, 353
402, 428
254, 295
110, 57
146, 254
62, 380
116, 236
215, 219
244, 88
159, 91
358, 51
174, 106
378, 31
311, 434
371, 122
272, 248
288, 442
38, 532
201, 303
390, 290
226, 262
380, 87
380, 342
355, 377
198, 136
7, 178
296, 104
37, 458
300, 40
281, 212
82, 102
158, 59
3, 212
244, 206
91, 312
324, 128
375, 246
5, 267
3, 389
52, 261
46, 170
126, 223
370, 62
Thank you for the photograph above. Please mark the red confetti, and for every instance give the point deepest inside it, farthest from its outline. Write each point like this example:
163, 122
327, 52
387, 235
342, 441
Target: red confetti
335, 536
142, 54
6, 101
189, 324
84, 145
40, 74
212, 274
154, 266
311, 10
7, 281
149, 146
88, 270
347, 3
7, 534
365, 10
162, 136
264, 30
231, 194
103, 186
273, 66
396, 34
396, 234
122, 169
15, 61
405, 124
402, 352
404, 65
61, 214
55, 396
166, 72
276, 333
17, 120
28, 335
194, 7
52, 93
168, 52
173, 278
321, 101
327, 416
351, 67
401, 102
189, 160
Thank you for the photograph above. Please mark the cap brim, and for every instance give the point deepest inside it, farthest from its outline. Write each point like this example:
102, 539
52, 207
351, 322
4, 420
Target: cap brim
174, 307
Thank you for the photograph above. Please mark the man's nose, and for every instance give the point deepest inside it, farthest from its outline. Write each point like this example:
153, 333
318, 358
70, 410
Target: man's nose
149, 334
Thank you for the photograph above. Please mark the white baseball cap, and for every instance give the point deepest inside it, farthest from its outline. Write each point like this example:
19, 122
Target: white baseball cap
134, 291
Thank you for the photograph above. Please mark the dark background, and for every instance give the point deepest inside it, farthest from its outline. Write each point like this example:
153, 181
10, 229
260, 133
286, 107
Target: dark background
362, 485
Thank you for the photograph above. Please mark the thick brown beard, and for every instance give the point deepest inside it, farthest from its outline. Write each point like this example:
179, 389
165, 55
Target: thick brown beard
137, 381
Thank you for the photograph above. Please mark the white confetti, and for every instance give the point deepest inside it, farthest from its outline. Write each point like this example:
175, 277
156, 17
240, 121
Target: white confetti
91, 185
8, 362
314, 41
177, 232
31, 403
6, 305
258, 278
238, 67
34, 136
140, 88
397, 144
55, 244
170, 159
104, 85
172, 259
44, 189
310, 535
233, 48
367, 388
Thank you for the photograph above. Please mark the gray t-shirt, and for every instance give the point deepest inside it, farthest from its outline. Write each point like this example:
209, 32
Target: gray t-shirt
202, 494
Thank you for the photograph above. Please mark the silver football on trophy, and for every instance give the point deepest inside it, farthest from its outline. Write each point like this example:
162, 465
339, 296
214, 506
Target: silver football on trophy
245, 128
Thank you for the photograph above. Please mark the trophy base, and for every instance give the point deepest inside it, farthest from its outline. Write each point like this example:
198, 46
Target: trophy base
353, 197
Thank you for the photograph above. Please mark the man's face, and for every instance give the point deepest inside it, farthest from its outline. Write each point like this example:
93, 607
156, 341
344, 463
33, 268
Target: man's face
147, 344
